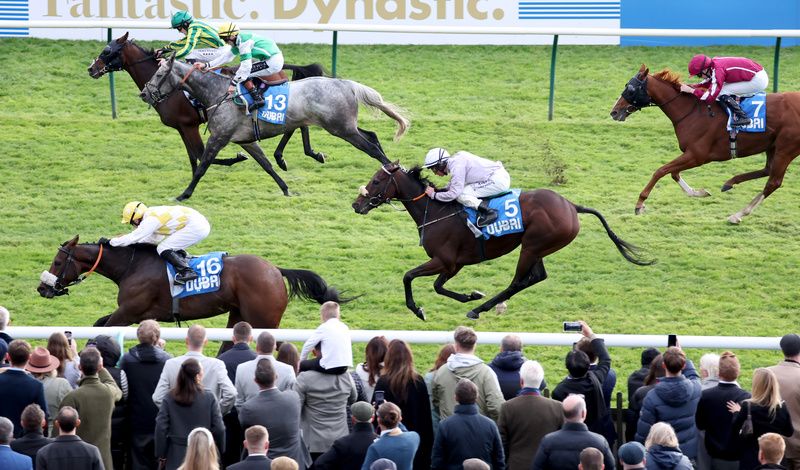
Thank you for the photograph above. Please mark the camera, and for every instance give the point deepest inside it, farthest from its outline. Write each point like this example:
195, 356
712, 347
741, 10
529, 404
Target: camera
378, 398
68, 334
572, 326
672, 340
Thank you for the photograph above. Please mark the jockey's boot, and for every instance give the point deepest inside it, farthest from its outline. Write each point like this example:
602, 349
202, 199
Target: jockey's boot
258, 100
740, 118
486, 216
183, 273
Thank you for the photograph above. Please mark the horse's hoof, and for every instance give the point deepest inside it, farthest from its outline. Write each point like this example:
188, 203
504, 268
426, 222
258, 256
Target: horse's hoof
320, 157
735, 219
281, 163
726, 187
702, 193
420, 313
183, 197
472, 314
240, 157
639, 210
476, 294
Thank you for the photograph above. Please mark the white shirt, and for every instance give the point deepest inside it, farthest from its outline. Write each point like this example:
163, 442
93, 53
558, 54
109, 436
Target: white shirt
337, 349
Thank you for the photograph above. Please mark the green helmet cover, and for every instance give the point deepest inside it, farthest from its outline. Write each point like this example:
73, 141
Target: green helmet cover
181, 18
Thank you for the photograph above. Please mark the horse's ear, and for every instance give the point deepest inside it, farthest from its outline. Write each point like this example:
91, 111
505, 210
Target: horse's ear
122, 39
74, 241
643, 71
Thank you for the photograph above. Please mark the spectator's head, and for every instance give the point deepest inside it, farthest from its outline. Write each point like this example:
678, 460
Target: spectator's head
574, 409
284, 463
511, 343
632, 454
648, 355
5, 318
374, 354
265, 374
790, 345
771, 447
674, 361
189, 383
656, 370
201, 451
577, 363
41, 364
585, 344
362, 412
766, 391
148, 332
328, 310
6, 431
728, 367
242, 332
661, 434
288, 354
265, 344
466, 392
709, 366
19, 352
444, 353
465, 338
383, 464
531, 374
399, 368
475, 464
109, 350
256, 439
91, 361
59, 346
591, 459
32, 418
196, 338
389, 415
67, 420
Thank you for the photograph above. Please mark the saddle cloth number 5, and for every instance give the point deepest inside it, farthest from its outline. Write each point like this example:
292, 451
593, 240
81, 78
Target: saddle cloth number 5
511, 209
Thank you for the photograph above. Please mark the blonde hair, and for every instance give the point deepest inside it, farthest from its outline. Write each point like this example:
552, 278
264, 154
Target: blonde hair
661, 434
772, 447
201, 452
284, 463
328, 310
766, 392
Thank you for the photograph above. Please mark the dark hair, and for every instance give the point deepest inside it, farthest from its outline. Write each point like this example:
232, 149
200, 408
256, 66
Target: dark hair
90, 361
375, 353
32, 417
585, 344
466, 392
19, 352
465, 337
265, 343
187, 386
242, 331
648, 355
444, 353
389, 414
674, 360
58, 346
265, 373
577, 363
398, 369
656, 370
288, 354
728, 366
790, 345
109, 350
591, 459
67, 418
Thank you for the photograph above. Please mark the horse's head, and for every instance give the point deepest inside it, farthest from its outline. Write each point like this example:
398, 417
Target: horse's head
382, 188
66, 269
634, 97
110, 59
162, 84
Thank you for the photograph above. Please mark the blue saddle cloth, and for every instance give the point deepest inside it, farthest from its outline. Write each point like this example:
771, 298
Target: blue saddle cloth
209, 270
276, 102
756, 109
509, 215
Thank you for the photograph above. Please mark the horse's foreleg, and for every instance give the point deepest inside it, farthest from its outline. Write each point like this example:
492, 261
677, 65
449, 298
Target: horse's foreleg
255, 151
530, 270
318, 156
193, 143
120, 317
751, 175
278, 154
213, 147
691, 192
683, 162
438, 286
431, 267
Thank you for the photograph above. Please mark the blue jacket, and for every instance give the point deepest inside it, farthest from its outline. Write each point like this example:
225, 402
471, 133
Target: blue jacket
506, 367
561, 450
18, 390
400, 449
666, 458
673, 400
10, 460
465, 435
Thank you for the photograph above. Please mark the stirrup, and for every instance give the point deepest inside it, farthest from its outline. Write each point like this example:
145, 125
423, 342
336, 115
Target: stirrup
182, 278
487, 218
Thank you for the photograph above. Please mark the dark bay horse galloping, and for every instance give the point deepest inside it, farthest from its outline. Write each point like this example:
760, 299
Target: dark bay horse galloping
550, 221
329, 103
702, 137
251, 288
177, 112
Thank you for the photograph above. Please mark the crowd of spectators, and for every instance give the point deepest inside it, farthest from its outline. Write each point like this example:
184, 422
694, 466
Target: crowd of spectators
248, 409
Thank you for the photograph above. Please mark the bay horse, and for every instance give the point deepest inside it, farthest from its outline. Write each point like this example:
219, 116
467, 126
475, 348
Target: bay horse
325, 102
251, 288
177, 112
550, 221
702, 135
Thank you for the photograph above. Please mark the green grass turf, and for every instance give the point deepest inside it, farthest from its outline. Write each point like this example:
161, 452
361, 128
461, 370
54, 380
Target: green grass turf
67, 168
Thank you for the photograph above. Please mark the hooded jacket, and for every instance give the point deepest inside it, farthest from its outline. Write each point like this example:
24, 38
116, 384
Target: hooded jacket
466, 366
506, 367
673, 400
666, 458
142, 365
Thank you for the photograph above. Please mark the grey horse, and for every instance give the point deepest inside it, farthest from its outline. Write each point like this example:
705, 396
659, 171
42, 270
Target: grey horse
329, 103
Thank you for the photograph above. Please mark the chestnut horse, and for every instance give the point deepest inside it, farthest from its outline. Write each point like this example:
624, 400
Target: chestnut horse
702, 136
177, 112
550, 221
251, 288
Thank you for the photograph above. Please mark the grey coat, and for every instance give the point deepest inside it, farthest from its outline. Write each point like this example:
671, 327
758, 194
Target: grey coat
174, 423
324, 399
279, 412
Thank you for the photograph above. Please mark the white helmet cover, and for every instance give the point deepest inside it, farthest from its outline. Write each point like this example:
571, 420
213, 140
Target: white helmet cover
435, 156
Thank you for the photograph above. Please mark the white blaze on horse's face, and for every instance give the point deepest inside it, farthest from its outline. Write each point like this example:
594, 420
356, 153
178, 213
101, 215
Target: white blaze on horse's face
363, 191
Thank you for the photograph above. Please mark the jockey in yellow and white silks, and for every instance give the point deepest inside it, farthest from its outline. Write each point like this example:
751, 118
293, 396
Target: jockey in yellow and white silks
172, 228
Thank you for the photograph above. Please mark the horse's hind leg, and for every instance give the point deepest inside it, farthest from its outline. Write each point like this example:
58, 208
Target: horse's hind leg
530, 274
438, 286
362, 142
752, 175
372, 137
777, 170
255, 151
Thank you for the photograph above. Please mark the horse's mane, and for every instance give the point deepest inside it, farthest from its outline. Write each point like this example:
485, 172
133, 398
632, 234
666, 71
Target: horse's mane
149, 52
416, 174
673, 78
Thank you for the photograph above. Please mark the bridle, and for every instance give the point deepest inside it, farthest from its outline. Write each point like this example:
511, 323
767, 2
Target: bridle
381, 198
155, 91
635, 93
116, 65
57, 282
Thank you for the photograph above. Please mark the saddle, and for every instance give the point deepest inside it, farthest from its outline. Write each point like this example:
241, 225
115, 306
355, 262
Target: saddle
277, 78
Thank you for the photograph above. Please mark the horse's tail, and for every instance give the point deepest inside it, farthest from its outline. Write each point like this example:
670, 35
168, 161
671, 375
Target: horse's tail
309, 285
300, 72
629, 252
369, 97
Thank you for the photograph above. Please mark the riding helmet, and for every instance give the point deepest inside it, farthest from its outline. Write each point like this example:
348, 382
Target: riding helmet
133, 210
435, 156
181, 19
227, 30
699, 63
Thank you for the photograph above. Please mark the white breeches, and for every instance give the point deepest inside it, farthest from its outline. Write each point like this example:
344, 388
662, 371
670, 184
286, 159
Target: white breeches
499, 182
204, 55
756, 85
194, 232
274, 65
